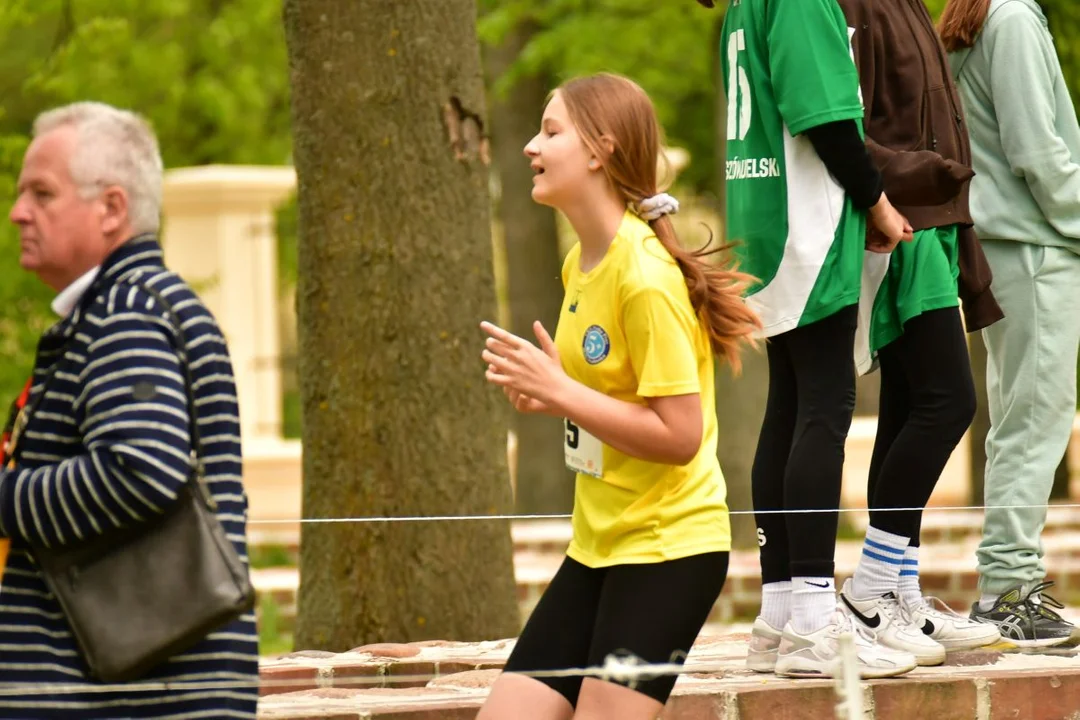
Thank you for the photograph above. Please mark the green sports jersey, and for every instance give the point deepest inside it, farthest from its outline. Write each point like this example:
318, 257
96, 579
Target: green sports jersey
788, 67
915, 278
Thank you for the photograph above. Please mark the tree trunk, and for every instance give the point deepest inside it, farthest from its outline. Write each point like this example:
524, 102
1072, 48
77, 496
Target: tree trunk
740, 410
740, 402
980, 426
395, 274
543, 484
868, 394
720, 113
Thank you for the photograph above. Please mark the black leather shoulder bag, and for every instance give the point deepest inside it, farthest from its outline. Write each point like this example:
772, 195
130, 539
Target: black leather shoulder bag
137, 596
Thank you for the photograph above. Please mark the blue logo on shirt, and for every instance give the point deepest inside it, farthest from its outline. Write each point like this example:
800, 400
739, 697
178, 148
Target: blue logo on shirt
596, 345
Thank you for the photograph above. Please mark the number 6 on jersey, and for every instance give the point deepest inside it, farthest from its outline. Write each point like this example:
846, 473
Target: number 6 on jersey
740, 108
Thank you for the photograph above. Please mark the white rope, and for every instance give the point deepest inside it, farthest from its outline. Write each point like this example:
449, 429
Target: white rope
629, 670
455, 518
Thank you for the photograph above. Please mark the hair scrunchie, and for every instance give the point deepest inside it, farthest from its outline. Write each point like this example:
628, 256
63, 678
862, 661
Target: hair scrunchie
655, 207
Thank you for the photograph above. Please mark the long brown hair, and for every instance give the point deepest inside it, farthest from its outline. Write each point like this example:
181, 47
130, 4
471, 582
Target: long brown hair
961, 22
611, 109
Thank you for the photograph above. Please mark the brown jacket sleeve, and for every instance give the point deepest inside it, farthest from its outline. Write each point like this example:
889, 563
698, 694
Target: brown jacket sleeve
981, 308
917, 177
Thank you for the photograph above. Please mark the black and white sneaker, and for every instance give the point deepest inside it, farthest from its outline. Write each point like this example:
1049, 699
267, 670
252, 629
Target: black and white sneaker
1028, 620
952, 630
885, 619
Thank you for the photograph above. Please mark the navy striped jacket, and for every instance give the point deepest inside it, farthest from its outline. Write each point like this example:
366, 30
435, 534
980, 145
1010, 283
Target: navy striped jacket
109, 446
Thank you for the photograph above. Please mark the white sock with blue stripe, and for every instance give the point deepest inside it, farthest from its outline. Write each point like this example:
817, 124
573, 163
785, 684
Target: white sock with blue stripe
909, 577
879, 567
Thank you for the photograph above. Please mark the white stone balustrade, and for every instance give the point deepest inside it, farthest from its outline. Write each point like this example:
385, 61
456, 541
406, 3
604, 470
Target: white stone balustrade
219, 234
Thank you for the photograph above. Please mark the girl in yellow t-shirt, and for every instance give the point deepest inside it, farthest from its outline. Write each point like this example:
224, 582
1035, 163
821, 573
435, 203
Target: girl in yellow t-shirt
631, 371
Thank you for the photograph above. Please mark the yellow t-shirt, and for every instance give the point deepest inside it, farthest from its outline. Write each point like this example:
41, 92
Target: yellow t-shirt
628, 330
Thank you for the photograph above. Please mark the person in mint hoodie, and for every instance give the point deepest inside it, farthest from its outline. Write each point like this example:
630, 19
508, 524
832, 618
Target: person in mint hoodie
1025, 201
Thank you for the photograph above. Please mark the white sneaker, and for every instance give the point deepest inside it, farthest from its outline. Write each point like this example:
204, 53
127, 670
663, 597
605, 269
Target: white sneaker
886, 620
818, 654
764, 646
950, 629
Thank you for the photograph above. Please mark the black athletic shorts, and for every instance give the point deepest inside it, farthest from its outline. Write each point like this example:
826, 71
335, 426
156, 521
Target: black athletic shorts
652, 612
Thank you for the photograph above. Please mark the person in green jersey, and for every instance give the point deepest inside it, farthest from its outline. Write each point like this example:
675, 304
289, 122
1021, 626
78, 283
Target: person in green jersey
1025, 200
800, 188
911, 323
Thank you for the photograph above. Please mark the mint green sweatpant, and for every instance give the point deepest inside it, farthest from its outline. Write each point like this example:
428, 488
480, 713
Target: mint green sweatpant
1031, 388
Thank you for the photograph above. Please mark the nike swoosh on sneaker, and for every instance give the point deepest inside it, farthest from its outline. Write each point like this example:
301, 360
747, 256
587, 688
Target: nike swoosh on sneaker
928, 627
872, 622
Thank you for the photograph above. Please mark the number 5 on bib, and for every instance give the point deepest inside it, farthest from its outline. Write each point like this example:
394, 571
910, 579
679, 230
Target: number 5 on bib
584, 453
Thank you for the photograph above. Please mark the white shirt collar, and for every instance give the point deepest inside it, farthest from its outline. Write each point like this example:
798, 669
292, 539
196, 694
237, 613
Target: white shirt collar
64, 303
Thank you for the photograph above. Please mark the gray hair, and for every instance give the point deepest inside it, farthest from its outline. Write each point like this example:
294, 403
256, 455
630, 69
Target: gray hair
113, 147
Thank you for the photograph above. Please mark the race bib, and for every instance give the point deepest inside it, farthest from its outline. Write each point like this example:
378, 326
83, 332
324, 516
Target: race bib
584, 453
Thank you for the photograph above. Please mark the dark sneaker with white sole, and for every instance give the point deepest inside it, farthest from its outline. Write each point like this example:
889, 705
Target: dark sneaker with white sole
1028, 620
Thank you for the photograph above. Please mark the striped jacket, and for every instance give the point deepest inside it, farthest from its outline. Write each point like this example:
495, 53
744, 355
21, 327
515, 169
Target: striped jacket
109, 446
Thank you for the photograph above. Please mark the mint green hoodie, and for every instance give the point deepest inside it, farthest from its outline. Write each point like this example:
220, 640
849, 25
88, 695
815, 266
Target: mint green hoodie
1025, 140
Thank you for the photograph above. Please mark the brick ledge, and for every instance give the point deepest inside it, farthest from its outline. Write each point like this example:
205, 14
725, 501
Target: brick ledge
988, 684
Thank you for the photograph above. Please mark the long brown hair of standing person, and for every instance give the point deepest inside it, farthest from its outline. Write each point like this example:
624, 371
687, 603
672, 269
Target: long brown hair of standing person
961, 22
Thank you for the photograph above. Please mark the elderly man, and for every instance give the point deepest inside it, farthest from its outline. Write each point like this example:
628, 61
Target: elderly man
108, 443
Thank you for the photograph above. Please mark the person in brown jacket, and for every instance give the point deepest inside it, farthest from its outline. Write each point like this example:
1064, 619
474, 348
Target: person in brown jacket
910, 320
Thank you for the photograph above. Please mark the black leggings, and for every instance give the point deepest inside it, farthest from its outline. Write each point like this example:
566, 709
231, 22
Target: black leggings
800, 453
650, 611
927, 403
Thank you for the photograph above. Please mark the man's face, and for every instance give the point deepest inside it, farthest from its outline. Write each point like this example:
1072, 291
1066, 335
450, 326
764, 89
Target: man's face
62, 235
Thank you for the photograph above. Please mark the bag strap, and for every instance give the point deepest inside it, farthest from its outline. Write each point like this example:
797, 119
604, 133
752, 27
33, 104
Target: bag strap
197, 451
178, 344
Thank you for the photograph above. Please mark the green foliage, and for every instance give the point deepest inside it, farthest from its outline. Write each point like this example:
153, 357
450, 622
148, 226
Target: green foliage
210, 75
273, 640
666, 47
270, 556
1064, 17
291, 415
935, 7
